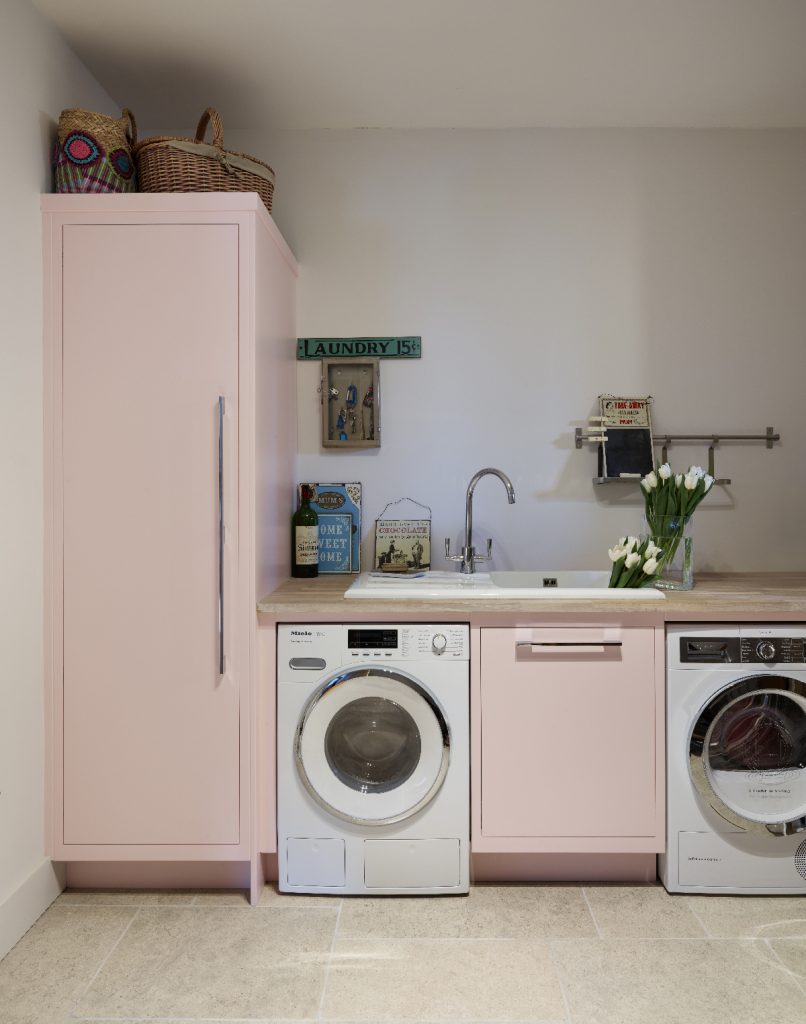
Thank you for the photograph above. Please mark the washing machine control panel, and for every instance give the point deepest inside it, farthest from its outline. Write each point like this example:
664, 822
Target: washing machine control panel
408, 642
746, 650
434, 642
306, 651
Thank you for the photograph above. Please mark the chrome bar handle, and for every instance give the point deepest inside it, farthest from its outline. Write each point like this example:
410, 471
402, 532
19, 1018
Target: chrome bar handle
568, 647
568, 643
221, 535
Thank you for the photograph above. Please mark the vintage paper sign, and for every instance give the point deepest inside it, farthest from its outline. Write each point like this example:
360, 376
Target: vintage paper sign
403, 543
624, 412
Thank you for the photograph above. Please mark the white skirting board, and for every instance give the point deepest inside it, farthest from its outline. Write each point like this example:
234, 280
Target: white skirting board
28, 902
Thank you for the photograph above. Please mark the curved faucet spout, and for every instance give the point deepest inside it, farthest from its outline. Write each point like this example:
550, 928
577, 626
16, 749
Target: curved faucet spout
490, 471
469, 557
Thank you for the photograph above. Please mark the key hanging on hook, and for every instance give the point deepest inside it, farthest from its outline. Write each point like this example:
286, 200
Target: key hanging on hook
340, 423
369, 403
351, 401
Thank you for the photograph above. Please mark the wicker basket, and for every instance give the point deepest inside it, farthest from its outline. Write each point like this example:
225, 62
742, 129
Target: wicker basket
94, 152
166, 163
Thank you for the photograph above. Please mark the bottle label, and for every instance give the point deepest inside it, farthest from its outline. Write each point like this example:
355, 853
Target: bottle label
306, 545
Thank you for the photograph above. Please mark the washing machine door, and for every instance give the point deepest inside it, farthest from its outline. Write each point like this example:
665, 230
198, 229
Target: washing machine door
747, 754
372, 746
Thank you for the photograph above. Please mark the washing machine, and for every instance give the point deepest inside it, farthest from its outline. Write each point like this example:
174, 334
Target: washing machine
736, 756
373, 758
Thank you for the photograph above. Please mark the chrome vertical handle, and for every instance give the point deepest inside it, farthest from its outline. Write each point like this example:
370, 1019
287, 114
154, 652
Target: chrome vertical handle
221, 535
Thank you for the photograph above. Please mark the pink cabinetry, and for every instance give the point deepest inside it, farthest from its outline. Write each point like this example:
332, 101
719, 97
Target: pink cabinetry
567, 758
169, 379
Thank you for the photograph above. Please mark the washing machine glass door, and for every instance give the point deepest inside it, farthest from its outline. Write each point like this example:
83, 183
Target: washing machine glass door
747, 754
372, 746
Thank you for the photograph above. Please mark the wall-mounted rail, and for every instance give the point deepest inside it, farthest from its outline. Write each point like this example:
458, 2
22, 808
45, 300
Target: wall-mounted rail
667, 439
597, 434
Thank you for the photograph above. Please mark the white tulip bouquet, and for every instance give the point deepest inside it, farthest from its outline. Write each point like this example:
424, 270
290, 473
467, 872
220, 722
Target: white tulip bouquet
670, 500
635, 562
669, 496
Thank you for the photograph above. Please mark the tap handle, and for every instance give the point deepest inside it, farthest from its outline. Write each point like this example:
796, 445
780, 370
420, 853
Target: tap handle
489, 555
448, 555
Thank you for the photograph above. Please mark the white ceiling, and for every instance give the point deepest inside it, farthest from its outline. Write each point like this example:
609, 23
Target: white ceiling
446, 63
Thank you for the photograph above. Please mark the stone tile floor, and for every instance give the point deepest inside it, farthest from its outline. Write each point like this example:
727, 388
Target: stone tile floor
606, 954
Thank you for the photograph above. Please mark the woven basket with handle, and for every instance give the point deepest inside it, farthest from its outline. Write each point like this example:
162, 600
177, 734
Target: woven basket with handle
94, 152
166, 163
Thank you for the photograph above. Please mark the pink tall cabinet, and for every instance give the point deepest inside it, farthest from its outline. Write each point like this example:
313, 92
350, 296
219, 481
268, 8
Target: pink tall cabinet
169, 445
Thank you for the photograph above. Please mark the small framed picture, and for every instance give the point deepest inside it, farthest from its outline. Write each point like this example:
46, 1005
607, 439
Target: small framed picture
351, 403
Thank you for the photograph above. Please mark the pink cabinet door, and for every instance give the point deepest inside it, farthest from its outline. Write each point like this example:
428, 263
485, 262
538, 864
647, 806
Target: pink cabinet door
149, 343
567, 732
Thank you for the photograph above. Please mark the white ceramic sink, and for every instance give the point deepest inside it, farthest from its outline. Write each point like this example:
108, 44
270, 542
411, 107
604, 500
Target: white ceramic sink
498, 586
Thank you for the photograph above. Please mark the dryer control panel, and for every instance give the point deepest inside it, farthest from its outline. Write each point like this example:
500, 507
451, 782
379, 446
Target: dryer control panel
744, 650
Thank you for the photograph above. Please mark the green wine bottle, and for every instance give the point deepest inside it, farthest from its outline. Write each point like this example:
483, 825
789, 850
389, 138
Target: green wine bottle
305, 538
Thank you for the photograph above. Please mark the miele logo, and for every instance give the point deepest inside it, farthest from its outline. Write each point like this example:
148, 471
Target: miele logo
300, 632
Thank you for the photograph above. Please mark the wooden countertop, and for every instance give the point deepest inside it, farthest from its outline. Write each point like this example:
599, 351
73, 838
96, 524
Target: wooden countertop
716, 596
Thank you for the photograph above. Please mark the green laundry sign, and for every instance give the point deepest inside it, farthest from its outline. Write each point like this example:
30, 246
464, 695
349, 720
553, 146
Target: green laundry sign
359, 348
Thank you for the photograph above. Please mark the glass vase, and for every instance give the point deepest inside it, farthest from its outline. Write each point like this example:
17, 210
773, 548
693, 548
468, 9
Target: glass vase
674, 536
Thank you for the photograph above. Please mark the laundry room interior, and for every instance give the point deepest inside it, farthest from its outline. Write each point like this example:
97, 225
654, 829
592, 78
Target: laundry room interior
404, 563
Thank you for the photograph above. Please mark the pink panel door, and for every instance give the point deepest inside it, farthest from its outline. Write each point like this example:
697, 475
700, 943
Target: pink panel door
567, 732
150, 342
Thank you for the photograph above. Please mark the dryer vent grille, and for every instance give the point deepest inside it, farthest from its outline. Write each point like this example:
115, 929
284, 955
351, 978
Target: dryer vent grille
800, 859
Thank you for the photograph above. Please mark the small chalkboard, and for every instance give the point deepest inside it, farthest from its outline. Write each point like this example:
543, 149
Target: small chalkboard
628, 449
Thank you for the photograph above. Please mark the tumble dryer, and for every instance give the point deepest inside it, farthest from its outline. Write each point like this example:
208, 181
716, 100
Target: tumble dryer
373, 758
736, 748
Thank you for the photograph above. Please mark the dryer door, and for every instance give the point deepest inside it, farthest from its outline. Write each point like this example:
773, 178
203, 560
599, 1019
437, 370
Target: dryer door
372, 746
747, 754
